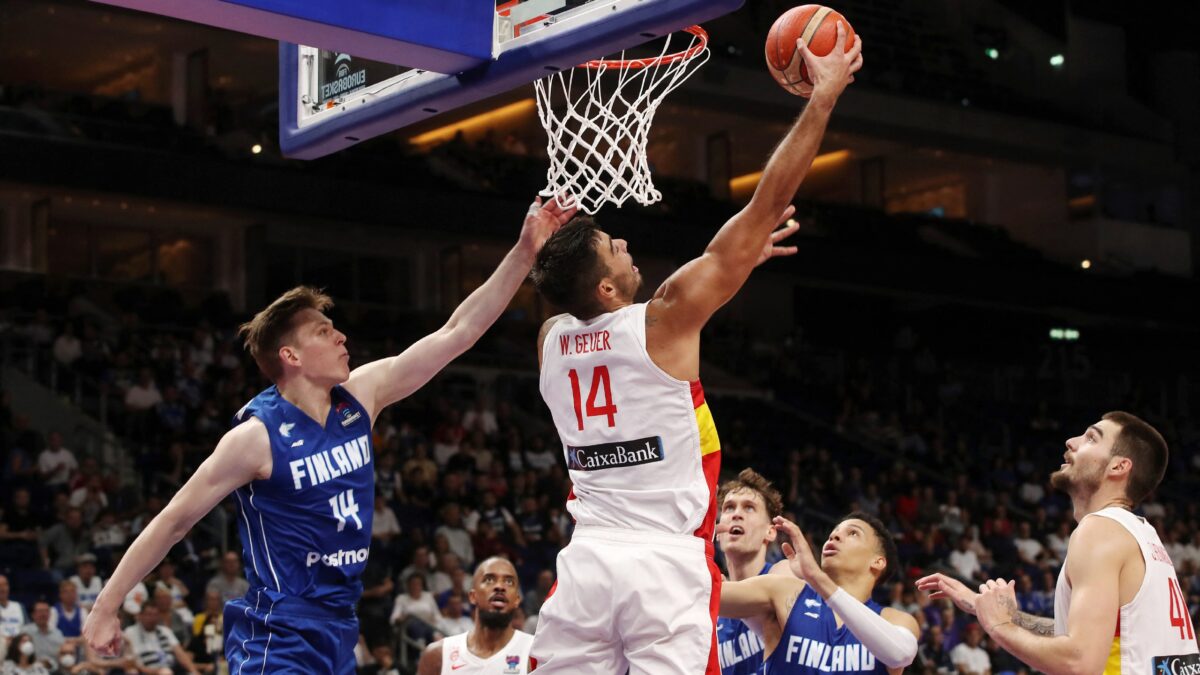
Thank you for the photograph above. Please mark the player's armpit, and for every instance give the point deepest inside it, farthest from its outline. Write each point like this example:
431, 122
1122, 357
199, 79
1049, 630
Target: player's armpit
431, 660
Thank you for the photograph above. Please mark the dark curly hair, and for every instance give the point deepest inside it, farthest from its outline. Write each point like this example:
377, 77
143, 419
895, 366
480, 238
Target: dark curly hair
568, 268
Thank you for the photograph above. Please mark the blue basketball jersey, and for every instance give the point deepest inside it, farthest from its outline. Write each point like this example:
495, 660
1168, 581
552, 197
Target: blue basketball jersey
739, 649
306, 531
812, 642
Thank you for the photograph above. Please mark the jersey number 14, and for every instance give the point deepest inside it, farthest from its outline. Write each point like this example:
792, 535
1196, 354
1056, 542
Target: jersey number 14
600, 378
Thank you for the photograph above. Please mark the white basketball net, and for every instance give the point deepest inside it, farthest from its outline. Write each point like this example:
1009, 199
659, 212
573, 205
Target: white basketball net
598, 116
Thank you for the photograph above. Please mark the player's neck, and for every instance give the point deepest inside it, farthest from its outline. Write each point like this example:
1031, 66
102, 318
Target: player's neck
745, 567
859, 586
485, 642
1085, 505
311, 398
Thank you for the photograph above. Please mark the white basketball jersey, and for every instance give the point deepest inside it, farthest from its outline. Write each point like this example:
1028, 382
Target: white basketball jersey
1154, 628
512, 660
641, 446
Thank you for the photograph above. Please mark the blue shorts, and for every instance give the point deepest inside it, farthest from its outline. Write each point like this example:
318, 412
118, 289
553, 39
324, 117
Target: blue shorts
288, 636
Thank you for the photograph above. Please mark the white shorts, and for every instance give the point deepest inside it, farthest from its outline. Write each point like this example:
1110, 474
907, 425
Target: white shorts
642, 601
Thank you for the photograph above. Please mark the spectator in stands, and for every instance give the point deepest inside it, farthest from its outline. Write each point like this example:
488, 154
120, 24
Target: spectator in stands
63, 542
19, 532
384, 525
90, 498
66, 615
56, 464
144, 395
539, 456
487, 543
932, 655
20, 659
20, 470
419, 565
12, 614
47, 638
174, 585
108, 536
415, 609
481, 417
459, 582
388, 479
448, 437
86, 581
964, 561
229, 582
172, 618
207, 641
534, 598
456, 535
420, 470
67, 347
443, 578
969, 657
1030, 550
453, 619
156, 651
171, 413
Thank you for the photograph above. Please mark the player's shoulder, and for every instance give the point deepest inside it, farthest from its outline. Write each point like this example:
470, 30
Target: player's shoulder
1097, 529
431, 658
1103, 540
548, 324
901, 618
249, 433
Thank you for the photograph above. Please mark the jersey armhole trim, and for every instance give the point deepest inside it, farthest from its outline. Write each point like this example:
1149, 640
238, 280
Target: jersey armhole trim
1141, 591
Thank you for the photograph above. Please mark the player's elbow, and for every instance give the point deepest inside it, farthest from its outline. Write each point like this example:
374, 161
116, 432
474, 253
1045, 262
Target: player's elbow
1084, 664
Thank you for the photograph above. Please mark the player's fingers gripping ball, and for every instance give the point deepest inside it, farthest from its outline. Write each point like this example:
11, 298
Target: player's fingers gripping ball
816, 25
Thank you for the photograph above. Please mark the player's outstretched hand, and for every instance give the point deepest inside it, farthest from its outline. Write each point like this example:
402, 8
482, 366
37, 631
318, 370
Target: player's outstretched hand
997, 603
941, 586
834, 71
770, 249
799, 553
543, 220
102, 631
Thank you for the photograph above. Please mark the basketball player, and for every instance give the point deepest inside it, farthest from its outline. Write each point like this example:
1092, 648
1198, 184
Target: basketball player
299, 463
1118, 607
821, 618
637, 587
493, 647
749, 504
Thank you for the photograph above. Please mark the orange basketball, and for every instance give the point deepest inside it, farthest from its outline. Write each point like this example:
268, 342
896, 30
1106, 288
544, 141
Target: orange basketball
817, 26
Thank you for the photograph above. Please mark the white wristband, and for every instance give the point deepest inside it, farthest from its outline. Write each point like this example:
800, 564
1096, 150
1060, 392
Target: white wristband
893, 645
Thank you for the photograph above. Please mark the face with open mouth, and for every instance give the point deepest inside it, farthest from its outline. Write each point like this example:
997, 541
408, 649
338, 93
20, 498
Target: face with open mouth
852, 546
1086, 458
495, 593
750, 527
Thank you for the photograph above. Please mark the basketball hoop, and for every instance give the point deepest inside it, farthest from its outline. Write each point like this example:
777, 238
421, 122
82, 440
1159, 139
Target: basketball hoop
597, 118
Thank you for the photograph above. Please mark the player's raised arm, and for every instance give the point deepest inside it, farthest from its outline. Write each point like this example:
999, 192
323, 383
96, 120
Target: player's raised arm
243, 455
690, 296
383, 382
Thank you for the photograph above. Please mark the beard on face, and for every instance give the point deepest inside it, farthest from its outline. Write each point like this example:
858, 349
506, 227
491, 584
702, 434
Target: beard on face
496, 620
1061, 480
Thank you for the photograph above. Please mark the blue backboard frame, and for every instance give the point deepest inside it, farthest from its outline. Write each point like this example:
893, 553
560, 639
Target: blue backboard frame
308, 131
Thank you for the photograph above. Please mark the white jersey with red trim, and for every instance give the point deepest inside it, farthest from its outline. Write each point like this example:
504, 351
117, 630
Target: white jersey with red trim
513, 659
641, 446
1154, 634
